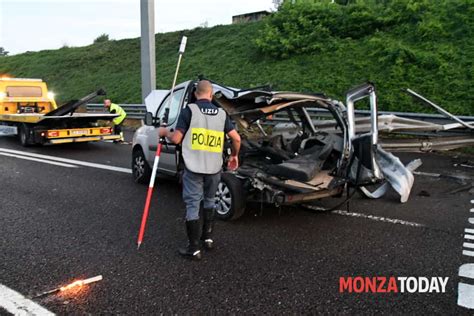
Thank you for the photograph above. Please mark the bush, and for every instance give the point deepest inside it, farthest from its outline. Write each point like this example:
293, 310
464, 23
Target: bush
102, 38
423, 44
3, 52
311, 26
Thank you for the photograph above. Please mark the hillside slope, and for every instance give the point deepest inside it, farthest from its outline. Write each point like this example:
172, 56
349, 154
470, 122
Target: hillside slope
228, 54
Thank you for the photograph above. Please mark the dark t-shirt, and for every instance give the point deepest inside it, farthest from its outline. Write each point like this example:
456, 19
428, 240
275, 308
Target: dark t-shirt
184, 119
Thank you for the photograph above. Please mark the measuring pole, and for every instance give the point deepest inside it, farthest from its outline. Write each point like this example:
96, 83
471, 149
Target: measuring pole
182, 47
161, 140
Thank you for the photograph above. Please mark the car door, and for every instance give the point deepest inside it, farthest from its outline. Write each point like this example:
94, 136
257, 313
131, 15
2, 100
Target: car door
168, 161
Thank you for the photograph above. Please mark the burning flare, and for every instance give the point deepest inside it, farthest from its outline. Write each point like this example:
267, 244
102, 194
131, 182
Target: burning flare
76, 284
80, 283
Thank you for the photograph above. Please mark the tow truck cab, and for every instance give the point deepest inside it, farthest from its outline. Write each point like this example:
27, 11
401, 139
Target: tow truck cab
25, 96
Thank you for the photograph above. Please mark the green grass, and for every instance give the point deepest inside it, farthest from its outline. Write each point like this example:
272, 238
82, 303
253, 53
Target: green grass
440, 67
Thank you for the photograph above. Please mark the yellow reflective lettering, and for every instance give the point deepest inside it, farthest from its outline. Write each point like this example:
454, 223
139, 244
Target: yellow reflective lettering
207, 140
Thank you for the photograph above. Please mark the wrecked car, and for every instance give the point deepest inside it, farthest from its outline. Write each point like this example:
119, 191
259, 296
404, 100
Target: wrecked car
297, 163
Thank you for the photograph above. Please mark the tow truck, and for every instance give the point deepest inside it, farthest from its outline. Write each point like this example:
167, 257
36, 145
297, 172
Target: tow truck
29, 110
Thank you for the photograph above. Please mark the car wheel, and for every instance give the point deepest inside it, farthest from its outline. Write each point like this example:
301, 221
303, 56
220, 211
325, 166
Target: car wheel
140, 169
24, 135
230, 198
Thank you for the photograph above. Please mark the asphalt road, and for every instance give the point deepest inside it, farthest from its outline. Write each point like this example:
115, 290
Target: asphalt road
60, 223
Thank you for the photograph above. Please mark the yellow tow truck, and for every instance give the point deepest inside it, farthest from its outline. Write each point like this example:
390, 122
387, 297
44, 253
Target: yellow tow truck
30, 111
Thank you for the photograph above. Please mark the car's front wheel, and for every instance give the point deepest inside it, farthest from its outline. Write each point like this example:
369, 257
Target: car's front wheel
140, 169
230, 198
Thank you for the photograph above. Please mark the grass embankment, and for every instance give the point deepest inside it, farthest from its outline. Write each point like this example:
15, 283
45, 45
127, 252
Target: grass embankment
425, 45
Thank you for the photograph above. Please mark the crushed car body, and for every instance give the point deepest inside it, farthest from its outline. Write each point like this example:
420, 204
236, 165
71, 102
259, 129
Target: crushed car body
310, 163
297, 161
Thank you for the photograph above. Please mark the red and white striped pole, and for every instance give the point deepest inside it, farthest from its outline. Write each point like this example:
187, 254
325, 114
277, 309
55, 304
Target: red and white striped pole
149, 195
182, 47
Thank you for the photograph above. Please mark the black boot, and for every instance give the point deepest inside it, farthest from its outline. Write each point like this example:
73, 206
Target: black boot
193, 250
207, 228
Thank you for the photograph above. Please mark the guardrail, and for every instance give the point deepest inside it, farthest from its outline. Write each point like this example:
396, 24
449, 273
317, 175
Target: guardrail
433, 118
134, 111
137, 111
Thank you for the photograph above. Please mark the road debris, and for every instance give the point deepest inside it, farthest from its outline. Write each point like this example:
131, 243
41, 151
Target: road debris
466, 187
465, 165
468, 125
463, 179
380, 191
424, 193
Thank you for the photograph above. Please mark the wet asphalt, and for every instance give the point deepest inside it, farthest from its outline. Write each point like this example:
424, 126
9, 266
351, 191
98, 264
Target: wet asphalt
59, 224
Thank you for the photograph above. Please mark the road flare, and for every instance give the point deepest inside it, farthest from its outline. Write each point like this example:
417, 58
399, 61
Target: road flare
75, 284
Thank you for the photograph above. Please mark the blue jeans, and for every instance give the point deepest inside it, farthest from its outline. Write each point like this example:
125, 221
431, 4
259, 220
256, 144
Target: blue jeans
199, 187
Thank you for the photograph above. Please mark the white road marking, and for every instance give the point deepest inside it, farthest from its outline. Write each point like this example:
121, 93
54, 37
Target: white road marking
39, 160
467, 270
468, 253
71, 161
468, 245
15, 303
379, 219
466, 295
470, 237
472, 210
466, 291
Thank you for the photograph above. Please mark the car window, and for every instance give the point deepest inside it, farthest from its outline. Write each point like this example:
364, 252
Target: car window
174, 106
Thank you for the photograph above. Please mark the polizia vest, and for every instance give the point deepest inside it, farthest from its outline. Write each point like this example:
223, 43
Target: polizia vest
204, 141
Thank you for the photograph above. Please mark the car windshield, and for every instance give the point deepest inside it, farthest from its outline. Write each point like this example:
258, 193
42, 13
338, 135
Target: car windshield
23, 91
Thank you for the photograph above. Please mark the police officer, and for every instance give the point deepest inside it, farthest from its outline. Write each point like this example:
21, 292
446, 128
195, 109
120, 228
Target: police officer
116, 109
200, 128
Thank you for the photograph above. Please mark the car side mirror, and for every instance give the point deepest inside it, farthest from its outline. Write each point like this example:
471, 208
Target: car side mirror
149, 119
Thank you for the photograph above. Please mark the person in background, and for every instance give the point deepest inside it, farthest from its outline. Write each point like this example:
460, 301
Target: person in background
116, 109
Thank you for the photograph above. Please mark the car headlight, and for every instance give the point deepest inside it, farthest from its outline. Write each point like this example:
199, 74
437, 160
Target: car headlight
3, 95
51, 95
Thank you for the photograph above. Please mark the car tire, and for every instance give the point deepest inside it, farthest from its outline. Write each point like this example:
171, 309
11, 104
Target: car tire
230, 198
24, 135
141, 171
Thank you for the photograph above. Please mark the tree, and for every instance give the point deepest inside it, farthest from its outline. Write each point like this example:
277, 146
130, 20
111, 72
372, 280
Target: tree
277, 4
102, 38
3, 52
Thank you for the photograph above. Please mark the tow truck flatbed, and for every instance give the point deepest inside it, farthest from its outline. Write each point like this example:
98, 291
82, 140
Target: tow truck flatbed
34, 118
28, 109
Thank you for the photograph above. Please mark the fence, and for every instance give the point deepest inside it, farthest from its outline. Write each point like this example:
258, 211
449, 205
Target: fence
433, 118
134, 111
137, 111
